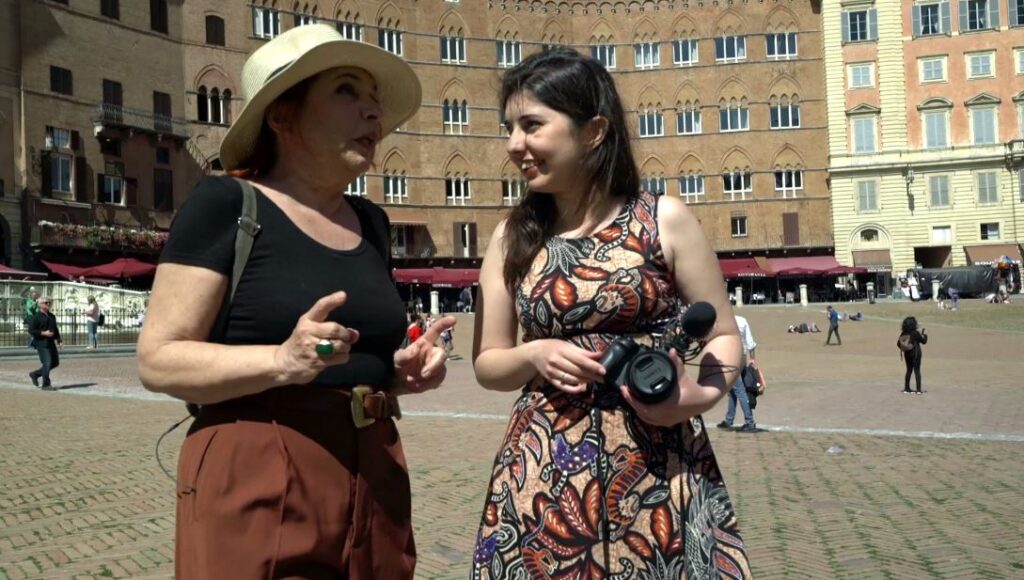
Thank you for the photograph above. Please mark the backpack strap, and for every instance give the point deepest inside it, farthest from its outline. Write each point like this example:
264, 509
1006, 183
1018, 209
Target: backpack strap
245, 237
379, 235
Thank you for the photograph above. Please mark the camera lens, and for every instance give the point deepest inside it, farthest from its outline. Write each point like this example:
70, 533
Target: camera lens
652, 376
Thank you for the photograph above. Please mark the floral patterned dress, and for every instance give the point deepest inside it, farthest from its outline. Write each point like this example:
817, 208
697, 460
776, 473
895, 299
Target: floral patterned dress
581, 487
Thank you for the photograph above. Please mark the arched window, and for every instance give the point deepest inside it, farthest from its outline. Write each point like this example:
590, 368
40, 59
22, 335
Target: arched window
225, 102
202, 106
215, 106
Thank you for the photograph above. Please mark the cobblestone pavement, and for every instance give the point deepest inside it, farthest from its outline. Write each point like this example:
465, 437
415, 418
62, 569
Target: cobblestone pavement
81, 494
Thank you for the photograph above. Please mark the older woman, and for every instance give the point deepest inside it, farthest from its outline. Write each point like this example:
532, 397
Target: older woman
293, 467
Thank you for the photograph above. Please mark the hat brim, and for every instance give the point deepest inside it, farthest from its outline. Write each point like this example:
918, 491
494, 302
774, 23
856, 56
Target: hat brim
397, 84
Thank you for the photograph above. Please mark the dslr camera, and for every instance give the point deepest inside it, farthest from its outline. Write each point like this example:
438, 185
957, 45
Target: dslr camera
648, 372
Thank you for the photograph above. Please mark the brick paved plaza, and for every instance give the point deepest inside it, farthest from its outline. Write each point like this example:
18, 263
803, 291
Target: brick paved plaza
924, 487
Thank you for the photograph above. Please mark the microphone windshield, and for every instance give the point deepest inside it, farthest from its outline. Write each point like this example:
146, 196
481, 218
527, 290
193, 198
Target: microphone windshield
699, 319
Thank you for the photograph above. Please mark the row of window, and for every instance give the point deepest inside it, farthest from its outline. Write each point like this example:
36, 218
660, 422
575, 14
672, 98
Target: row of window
508, 52
157, 12
62, 82
938, 191
935, 123
932, 18
737, 185
111, 183
935, 69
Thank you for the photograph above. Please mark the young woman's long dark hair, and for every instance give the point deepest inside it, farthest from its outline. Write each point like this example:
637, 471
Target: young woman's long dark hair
580, 88
909, 325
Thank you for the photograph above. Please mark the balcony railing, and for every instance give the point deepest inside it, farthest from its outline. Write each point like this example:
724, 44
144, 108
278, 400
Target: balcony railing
107, 115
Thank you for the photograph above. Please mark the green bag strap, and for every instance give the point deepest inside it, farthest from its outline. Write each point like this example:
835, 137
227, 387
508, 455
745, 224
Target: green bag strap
248, 229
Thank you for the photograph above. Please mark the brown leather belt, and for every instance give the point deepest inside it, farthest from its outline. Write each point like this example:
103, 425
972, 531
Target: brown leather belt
369, 405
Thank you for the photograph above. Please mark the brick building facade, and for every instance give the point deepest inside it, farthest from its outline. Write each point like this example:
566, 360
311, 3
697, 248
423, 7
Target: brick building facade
726, 101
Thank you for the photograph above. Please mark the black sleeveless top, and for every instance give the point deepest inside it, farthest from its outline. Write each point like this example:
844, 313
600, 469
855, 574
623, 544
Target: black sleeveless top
288, 271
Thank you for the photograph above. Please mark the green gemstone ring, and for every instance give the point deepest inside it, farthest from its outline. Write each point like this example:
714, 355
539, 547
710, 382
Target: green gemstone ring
325, 348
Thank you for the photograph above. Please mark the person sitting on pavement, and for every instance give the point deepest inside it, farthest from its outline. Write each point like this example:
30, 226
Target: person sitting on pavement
804, 327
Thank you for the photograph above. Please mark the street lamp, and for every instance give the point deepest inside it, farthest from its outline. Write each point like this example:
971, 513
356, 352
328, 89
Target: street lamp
908, 177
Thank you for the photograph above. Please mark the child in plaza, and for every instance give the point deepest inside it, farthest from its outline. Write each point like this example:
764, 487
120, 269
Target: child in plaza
584, 258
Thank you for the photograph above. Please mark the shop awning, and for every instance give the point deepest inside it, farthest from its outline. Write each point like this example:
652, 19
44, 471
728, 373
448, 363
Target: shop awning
440, 277
414, 275
986, 255
119, 268
803, 266
456, 277
123, 268
65, 270
8, 273
403, 216
873, 260
742, 268
845, 270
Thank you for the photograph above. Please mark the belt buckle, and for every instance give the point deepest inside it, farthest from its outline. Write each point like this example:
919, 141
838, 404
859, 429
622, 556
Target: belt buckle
359, 417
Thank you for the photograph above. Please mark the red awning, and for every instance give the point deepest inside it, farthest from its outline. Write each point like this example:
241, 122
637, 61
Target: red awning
440, 277
122, 268
456, 277
66, 271
844, 270
742, 268
8, 273
804, 265
414, 275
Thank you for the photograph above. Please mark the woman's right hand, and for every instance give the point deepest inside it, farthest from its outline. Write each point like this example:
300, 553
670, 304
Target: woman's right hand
297, 360
565, 365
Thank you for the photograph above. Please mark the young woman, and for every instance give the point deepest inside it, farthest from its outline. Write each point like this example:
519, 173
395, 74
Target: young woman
294, 466
590, 482
92, 321
909, 344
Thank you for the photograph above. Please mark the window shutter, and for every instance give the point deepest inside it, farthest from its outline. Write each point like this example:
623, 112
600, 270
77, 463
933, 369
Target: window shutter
962, 11
457, 246
76, 141
131, 192
498, 52
791, 229
993, 13
99, 187
81, 180
1012, 5
846, 27
472, 240
917, 20
947, 27
46, 172
873, 24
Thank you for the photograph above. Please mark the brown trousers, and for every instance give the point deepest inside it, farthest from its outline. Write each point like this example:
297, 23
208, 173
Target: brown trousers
282, 485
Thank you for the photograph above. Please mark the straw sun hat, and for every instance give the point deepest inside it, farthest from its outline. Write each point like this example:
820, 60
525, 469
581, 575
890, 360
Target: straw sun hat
301, 53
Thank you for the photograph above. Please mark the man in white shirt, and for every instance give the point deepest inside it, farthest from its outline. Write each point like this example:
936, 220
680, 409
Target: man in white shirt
739, 390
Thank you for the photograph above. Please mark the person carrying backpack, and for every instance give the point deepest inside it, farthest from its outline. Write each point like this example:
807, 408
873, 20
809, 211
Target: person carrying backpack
909, 344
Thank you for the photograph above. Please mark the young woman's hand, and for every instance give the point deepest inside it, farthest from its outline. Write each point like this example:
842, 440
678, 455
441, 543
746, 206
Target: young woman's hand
565, 365
297, 360
687, 400
421, 366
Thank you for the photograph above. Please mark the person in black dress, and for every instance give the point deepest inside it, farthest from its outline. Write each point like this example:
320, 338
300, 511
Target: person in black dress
909, 343
293, 466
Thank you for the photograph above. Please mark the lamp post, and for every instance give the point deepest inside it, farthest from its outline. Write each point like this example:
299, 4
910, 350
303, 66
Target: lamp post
908, 178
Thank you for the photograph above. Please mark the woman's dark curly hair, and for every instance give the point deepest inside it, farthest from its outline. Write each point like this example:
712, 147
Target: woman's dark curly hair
580, 88
909, 324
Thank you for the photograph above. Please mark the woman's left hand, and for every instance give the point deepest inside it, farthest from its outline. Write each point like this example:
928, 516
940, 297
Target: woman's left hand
687, 400
420, 366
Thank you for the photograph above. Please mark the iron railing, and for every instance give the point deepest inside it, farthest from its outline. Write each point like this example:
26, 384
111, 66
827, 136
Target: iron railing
123, 312
118, 116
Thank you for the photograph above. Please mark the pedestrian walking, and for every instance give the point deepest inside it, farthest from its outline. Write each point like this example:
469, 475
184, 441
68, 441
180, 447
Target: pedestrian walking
466, 300
739, 388
92, 322
909, 344
591, 482
833, 325
294, 467
46, 340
